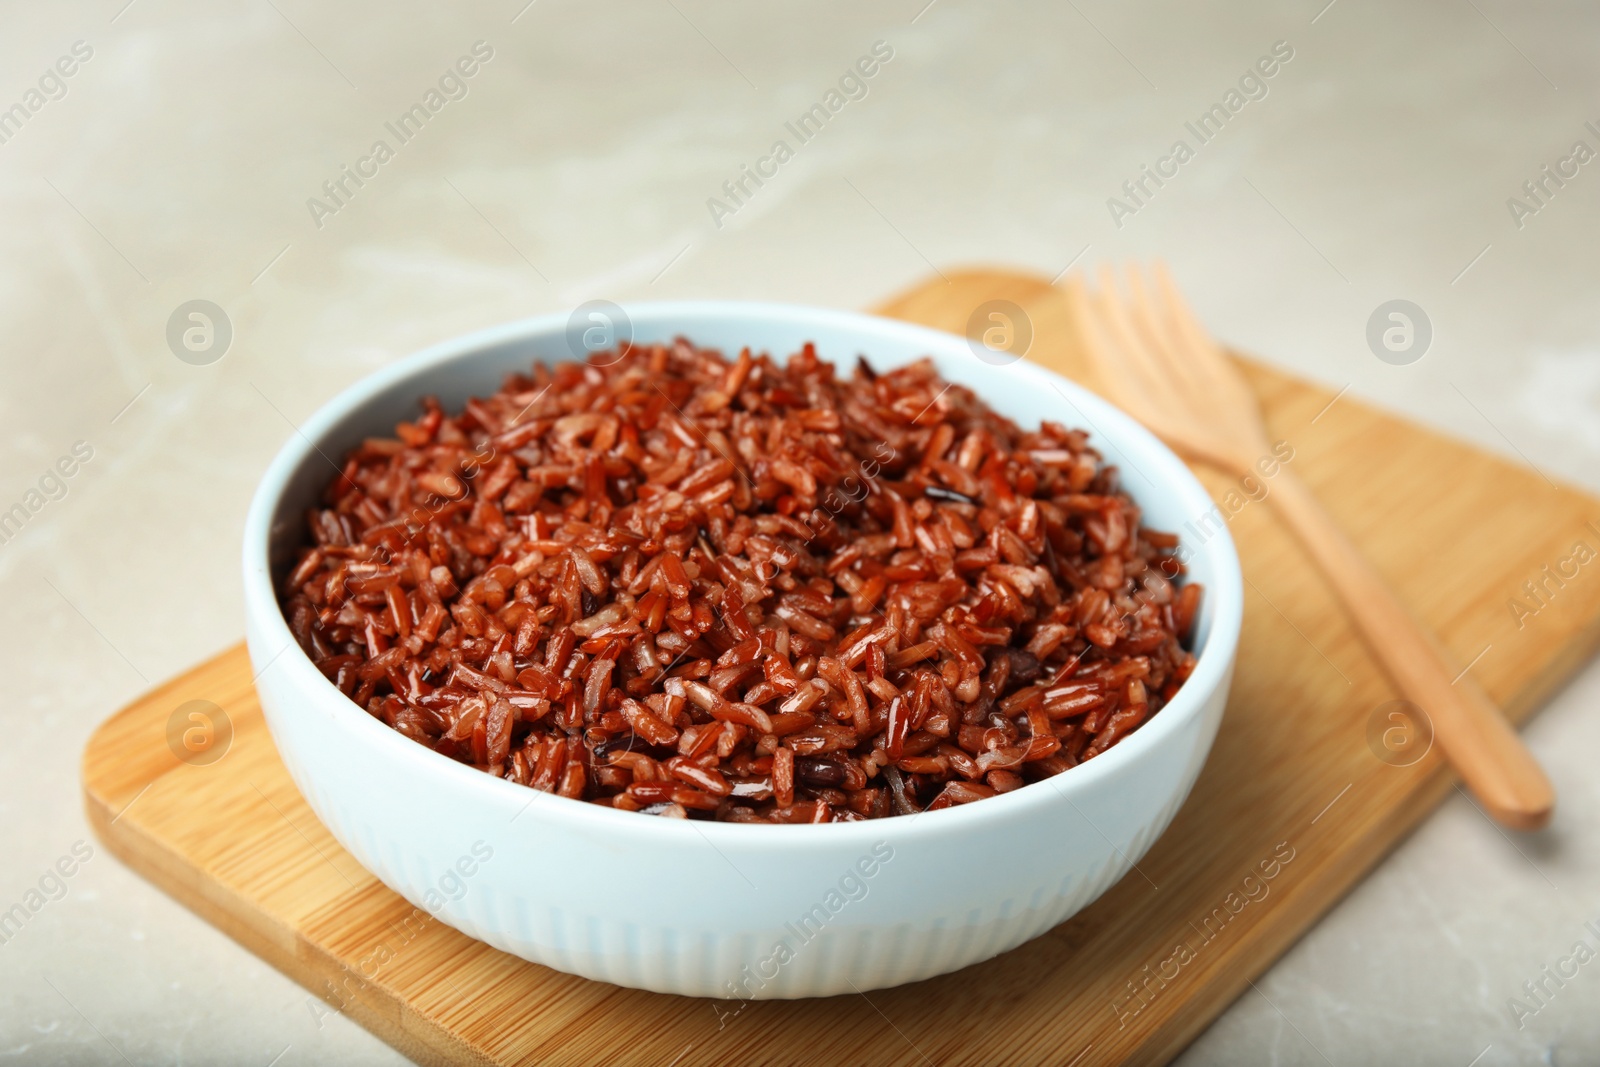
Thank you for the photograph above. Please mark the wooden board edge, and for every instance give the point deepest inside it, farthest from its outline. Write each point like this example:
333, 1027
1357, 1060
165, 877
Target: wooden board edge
1329, 886
1268, 941
1578, 652
1334, 881
376, 1008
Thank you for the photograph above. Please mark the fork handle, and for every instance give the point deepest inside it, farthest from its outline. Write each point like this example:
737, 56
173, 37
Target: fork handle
1487, 753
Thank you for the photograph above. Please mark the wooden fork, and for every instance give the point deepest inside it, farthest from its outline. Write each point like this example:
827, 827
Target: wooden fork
1164, 370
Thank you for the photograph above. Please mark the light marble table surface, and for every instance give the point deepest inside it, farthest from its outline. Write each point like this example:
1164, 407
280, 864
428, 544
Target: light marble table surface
176, 163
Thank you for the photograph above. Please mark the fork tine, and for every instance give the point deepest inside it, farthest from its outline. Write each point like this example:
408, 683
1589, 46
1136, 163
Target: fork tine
1146, 366
1207, 356
1157, 327
1091, 329
1127, 385
1146, 356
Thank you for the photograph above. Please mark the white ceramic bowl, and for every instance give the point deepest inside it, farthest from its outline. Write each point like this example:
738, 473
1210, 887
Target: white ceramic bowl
720, 909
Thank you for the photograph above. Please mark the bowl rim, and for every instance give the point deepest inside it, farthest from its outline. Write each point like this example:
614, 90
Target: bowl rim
1164, 470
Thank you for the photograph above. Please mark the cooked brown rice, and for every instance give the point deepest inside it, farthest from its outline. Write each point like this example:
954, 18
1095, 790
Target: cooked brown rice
735, 589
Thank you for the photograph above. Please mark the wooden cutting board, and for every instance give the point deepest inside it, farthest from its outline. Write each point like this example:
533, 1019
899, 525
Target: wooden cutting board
1295, 773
